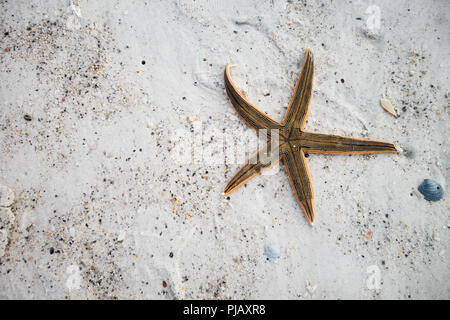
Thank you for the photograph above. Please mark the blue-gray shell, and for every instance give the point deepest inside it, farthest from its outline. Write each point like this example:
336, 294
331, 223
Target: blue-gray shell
431, 190
272, 251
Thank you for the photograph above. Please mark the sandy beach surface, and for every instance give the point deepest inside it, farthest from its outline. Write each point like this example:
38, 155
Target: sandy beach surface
118, 139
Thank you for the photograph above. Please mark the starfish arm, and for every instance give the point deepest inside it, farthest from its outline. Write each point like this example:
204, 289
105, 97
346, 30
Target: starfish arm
326, 143
254, 117
298, 107
295, 163
259, 161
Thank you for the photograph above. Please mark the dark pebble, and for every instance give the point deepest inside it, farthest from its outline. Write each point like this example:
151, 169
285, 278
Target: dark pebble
27, 117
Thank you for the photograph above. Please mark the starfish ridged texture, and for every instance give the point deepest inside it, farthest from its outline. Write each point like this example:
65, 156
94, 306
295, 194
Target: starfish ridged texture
293, 141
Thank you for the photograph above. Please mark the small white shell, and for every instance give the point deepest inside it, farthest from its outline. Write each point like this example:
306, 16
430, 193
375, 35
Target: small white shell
387, 105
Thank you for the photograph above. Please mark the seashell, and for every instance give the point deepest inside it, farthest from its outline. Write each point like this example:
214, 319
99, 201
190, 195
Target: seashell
387, 105
431, 190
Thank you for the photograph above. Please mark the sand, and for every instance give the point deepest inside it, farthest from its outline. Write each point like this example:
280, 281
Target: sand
117, 140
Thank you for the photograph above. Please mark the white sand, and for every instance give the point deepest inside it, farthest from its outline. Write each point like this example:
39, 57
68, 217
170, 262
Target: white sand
106, 204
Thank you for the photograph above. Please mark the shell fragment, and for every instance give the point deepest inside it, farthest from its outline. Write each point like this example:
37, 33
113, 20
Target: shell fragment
387, 105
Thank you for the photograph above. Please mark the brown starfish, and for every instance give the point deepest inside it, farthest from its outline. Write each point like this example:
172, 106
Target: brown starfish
293, 141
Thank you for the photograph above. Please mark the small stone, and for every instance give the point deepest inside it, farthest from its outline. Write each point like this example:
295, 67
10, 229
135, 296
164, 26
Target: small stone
27, 117
369, 235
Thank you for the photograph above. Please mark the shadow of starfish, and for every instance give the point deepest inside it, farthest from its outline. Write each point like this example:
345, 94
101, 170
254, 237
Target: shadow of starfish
293, 141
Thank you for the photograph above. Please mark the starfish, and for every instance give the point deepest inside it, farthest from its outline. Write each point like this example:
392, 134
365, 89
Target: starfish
293, 142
